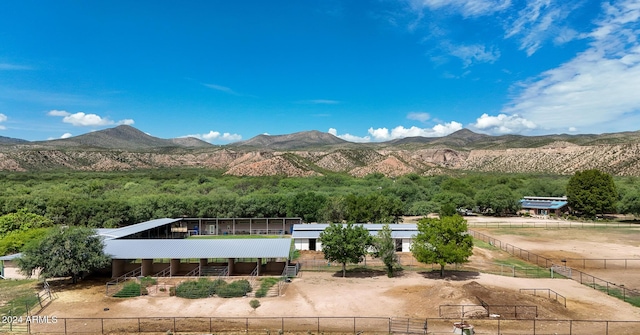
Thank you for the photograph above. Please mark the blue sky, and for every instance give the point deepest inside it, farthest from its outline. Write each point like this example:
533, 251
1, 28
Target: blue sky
363, 70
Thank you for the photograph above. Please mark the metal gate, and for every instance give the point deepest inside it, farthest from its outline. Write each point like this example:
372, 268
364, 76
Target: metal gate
407, 326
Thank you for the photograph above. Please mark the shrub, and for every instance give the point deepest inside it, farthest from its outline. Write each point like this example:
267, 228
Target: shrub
238, 288
254, 303
202, 288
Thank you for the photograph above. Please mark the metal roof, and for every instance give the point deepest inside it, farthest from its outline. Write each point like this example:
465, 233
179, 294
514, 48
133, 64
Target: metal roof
308, 234
542, 204
207, 248
136, 228
302, 231
10, 257
367, 226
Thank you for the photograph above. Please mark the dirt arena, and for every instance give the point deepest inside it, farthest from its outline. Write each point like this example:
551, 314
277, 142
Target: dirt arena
413, 294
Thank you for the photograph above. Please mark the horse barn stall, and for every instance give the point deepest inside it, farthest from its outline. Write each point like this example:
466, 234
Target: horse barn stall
307, 236
154, 248
236, 226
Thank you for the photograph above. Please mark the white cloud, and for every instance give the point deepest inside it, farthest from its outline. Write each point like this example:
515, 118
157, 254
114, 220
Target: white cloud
467, 8
419, 116
539, 21
127, 122
55, 112
221, 89
573, 129
3, 118
597, 87
212, 136
82, 119
349, 137
474, 53
503, 124
383, 134
66, 135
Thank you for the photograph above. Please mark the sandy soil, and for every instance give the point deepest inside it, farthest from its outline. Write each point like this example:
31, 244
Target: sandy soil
414, 294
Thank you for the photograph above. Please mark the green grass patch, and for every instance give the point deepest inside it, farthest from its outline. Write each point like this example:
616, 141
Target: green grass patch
616, 292
265, 285
130, 290
524, 269
18, 294
484, 245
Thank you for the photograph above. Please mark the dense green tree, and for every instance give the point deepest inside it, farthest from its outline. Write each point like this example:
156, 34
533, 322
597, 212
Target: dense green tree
447, 210
64, 251
344, 244
630, 203
592, 192
334, 210
442, 241
385, 248
306, 205
22, 220
14, 241
500, 199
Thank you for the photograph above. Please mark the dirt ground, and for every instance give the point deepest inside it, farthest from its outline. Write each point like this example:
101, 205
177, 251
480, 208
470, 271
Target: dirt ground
414, 294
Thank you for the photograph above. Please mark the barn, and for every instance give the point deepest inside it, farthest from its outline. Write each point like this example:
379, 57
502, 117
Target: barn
307, 236
156, 248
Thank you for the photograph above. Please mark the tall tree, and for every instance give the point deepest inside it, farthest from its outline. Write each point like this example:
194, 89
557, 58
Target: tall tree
385, 249
64, 251
442, 241
499, 198
592, 192
345, 244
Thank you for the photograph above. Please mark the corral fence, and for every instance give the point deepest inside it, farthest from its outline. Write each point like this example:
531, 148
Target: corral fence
319, 325
619, 291
510, 311
552, 224
549, 293
16, 322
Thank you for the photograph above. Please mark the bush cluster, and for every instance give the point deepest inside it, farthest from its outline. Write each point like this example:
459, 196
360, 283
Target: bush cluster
238, 288
204, 288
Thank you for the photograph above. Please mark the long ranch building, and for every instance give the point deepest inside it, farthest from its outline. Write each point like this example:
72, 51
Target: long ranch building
307, 236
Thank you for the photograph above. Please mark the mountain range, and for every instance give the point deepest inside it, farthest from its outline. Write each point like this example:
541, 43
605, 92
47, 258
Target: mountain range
315, 153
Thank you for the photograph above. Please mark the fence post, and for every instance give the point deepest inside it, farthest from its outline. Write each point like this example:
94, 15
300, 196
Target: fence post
102, 325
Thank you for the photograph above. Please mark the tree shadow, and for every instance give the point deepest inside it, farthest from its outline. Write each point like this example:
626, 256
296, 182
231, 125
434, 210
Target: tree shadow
450, 275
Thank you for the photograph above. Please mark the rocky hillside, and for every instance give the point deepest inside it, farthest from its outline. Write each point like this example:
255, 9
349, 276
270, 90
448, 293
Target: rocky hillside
316, 153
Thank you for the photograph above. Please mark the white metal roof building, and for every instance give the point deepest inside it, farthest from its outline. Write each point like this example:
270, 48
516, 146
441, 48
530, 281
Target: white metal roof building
160, 246
306, 236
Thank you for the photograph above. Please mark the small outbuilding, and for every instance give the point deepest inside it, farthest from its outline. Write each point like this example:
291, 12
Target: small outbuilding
9, 269
544, 206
